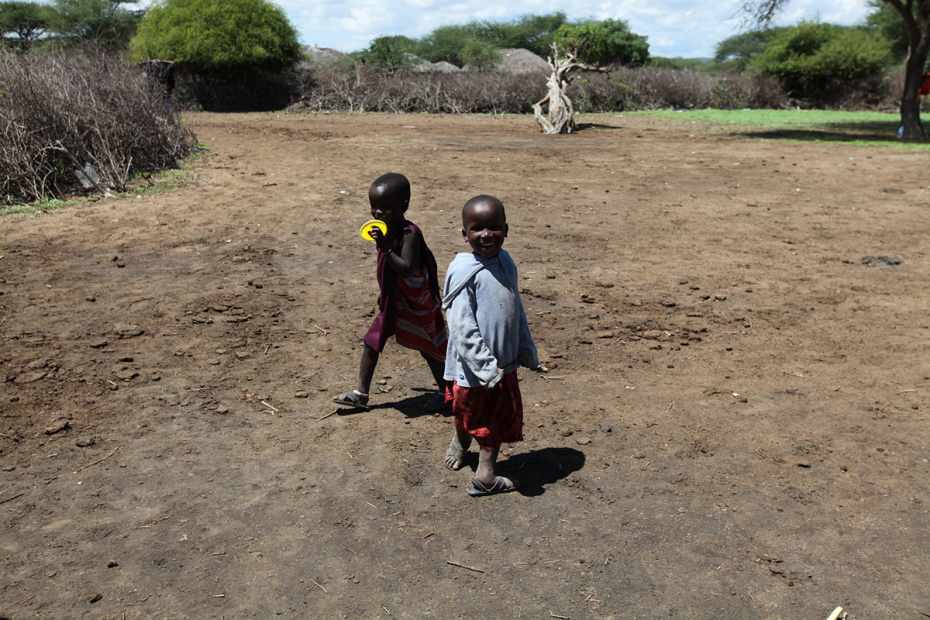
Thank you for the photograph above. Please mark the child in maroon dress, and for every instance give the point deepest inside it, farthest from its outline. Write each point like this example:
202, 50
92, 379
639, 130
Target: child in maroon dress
409, 304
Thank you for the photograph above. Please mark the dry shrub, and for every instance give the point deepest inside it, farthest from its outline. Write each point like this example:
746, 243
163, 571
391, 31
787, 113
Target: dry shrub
72, 121
362, 89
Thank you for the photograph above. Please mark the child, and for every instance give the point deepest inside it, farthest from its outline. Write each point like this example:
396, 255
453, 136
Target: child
409, 303
488, 338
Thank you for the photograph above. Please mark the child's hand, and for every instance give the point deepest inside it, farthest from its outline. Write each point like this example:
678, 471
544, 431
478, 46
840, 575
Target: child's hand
377, 235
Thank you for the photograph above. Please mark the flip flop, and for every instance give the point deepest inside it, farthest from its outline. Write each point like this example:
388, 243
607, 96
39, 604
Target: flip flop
476, 488
354, 399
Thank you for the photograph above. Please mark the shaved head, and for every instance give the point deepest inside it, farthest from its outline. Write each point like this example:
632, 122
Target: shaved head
390, 189
484, 203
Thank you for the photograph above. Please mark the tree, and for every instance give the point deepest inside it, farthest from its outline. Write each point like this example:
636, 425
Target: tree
604, 42
217, 35
480, 55
390, 52
815, 60
886, 21
738, 51
915, 16
22, 23
102, 22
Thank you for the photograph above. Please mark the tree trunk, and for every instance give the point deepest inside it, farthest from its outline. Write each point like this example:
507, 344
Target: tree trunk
912, 128
560, 115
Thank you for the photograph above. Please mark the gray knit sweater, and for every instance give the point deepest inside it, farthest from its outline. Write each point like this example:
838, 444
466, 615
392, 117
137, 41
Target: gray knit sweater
488, 332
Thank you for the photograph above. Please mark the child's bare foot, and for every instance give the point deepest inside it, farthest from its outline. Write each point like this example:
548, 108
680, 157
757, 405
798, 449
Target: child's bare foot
456, 453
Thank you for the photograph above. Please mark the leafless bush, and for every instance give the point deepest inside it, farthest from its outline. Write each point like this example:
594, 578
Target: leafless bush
73, 122
362, 89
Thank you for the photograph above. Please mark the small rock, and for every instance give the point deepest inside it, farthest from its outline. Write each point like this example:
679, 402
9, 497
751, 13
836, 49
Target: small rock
126, 373
126, 359
214, 362
720, 297
301, 394
201, 320
93, 598
99, 343
242, 354
881, 261
567, 433
126, 330
222, 409
86, 441
667, 303
38, 364
582, 441
30, 377
90, 298
604, 334
112, 564
607, 428
10, 468
57, 426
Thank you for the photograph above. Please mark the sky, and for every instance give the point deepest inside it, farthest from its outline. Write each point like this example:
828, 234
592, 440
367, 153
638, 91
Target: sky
688, 28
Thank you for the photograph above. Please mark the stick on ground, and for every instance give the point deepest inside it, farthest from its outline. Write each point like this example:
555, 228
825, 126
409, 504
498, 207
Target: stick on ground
471, 568
10, 499
98, 461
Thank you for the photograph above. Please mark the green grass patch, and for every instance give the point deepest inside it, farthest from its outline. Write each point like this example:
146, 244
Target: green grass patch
855, 128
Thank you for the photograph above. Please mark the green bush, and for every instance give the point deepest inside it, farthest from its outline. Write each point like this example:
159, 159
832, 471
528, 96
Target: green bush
480, 55
390, 52
817, 61
606, 42
217, 35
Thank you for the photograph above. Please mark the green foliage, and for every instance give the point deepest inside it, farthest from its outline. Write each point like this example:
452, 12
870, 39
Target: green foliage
22, 23
217, 35
887, 21
480, 55
604, 42
390, 52
446, 43
738, 51
105, 23
811, 59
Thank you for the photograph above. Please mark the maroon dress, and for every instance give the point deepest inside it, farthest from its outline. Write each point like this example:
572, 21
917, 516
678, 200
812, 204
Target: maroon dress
410, 307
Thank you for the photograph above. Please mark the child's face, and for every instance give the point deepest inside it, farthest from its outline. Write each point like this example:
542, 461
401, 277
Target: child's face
485, 228
386, 207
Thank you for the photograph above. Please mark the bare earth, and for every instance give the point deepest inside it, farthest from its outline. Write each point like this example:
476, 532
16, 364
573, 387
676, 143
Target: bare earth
735, 424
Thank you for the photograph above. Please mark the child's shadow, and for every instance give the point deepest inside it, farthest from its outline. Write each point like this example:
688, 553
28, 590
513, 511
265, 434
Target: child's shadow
410, 407
533, 470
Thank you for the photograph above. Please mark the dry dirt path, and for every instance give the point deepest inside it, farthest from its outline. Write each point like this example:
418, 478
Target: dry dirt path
735, 425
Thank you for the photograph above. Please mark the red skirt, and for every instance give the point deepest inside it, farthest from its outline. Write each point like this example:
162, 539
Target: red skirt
491, 415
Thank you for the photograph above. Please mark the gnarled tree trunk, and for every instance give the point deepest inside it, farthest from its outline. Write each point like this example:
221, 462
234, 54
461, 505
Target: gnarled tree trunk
559, 117
911, 127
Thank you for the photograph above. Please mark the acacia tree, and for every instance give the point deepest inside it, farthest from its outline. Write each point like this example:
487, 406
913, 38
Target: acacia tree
22, 23
915, 15
106, 23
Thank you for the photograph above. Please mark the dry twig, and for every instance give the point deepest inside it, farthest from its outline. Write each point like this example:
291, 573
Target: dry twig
98, 461
466, 567
10, 499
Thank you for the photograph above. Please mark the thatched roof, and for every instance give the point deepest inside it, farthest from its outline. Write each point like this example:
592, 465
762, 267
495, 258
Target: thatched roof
322, 55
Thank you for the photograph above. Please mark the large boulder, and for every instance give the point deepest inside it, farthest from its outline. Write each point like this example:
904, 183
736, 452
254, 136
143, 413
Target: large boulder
519, 60
322, 56
436, 67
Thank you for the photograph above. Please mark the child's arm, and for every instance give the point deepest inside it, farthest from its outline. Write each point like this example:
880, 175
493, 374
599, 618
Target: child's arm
408, 260
527, 355
470, 346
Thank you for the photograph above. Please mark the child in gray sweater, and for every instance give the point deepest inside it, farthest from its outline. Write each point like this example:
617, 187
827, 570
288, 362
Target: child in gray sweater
488, 339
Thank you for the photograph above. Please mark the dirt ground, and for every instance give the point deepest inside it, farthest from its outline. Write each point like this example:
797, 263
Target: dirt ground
735, 423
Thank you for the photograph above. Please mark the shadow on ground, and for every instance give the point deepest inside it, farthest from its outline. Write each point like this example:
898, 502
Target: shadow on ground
878, 131
411, 407
533, 470
584, 126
